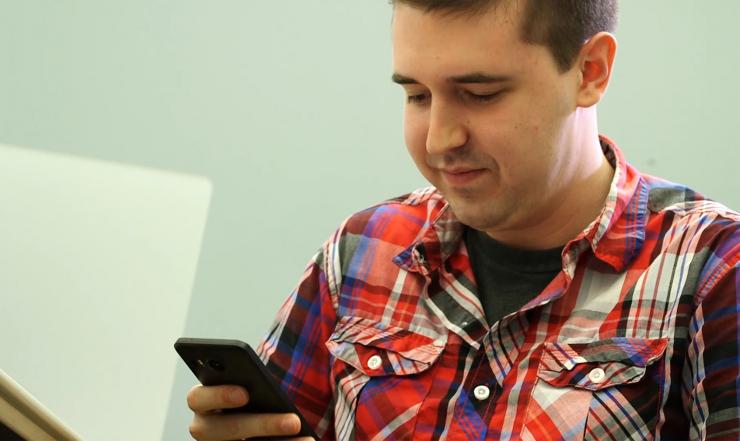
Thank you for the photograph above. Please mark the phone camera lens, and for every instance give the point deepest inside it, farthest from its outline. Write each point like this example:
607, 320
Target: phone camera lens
215, 365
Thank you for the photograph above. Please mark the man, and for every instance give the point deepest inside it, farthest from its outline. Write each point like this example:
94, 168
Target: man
542, 289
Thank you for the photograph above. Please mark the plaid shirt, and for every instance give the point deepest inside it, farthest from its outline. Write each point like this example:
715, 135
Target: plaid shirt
636, 337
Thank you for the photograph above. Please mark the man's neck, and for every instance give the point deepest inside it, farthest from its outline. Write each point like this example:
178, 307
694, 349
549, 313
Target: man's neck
572, 209
577, 209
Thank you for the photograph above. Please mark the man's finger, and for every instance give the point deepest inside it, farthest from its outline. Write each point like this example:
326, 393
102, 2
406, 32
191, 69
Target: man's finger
240, 426
205, 399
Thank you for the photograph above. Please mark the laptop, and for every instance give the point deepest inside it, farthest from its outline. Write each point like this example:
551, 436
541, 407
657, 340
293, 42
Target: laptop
97, 265
22, 417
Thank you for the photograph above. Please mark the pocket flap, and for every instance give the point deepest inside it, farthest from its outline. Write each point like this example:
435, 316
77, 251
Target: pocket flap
377, 349
599, 364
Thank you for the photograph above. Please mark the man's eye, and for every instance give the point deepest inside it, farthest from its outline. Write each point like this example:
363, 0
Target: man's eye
416, 99
483, 97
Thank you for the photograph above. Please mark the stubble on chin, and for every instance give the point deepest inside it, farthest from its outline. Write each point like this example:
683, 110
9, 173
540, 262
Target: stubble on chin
480, 213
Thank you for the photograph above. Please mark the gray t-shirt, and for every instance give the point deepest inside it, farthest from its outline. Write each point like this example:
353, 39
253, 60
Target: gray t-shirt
507, 278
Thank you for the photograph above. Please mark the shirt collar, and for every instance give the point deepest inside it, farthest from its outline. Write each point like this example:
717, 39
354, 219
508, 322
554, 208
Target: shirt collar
618, 232
615, 236
439, 238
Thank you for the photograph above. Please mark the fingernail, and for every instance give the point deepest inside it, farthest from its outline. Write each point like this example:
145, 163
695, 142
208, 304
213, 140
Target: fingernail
236, 396
291, 424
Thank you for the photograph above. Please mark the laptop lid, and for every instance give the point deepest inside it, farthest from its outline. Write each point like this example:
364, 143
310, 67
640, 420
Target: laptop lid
97, 262
25, 418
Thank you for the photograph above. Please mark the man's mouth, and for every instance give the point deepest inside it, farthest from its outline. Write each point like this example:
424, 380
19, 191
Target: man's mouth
460, 176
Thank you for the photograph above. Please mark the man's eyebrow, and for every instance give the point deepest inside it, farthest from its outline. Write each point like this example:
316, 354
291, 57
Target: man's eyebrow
471, 78
402, 79
478, 77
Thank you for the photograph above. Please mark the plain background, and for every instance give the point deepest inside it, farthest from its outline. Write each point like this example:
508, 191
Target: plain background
288, 109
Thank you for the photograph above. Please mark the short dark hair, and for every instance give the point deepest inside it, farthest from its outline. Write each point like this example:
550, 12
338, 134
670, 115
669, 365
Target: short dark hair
560, 25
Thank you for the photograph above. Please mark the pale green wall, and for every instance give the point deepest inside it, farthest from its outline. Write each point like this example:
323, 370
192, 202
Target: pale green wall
287, 107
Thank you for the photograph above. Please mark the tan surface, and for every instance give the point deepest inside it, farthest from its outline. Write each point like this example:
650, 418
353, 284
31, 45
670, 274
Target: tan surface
21, 412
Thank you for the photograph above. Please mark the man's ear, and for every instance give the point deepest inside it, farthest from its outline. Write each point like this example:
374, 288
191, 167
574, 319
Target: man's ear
595, 61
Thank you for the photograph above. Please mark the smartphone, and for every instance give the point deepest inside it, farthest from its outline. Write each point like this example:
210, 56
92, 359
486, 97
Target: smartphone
216, 361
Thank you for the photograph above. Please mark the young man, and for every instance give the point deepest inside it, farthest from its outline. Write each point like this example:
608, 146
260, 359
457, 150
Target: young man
542, 289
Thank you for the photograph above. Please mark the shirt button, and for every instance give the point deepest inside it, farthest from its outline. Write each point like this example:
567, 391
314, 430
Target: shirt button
481, 392
374, 362
597, 375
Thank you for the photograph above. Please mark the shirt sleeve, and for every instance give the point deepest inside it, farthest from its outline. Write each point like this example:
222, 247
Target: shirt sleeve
712, 370
294, 349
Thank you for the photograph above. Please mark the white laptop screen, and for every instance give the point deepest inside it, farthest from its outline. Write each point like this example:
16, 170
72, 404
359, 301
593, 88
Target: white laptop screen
97, 265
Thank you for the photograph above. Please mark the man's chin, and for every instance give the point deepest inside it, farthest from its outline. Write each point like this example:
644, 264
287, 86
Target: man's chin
473, 216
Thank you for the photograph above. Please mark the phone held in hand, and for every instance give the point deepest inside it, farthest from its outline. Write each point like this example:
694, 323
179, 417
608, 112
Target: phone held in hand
216, 361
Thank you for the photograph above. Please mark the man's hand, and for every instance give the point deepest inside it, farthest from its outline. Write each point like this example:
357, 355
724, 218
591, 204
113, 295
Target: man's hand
208, 423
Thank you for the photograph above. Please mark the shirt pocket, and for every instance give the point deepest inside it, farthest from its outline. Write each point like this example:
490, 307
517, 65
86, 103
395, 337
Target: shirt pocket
380, 377
606, 389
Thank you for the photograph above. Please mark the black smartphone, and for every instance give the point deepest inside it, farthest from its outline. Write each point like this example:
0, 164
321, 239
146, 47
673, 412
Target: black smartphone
216, 361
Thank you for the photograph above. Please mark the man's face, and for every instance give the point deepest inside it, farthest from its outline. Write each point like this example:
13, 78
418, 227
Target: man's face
488, 118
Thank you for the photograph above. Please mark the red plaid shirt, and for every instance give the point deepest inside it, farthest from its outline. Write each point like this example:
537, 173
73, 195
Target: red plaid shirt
636, 338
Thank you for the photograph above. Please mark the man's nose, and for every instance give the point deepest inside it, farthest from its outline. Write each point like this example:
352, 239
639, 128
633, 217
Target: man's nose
446, 131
